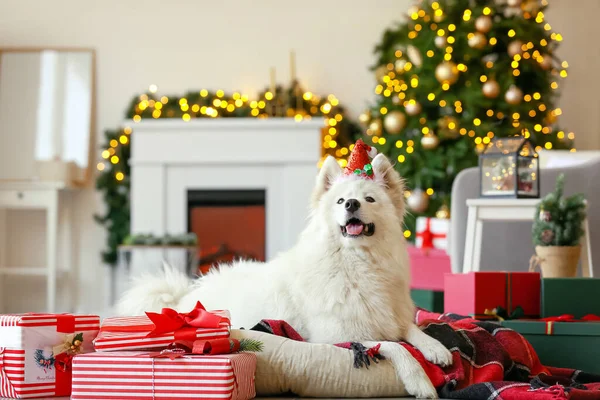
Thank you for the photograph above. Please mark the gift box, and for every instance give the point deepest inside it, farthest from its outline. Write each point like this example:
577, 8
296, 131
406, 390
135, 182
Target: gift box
430, 300
432, 233
146, 376
575, 296
157, 331
483, 294
428, 268
36, 352
563, 344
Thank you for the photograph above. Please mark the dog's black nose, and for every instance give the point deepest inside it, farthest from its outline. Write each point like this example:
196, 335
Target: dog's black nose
352, 205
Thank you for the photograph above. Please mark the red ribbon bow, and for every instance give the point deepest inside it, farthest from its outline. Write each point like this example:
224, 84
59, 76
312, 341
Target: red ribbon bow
427, 236
184, 325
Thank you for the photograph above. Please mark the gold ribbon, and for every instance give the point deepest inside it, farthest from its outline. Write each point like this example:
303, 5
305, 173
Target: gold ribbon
493, 313
70, 345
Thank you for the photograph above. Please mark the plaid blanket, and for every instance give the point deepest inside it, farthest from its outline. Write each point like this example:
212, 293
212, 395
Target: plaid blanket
490, 361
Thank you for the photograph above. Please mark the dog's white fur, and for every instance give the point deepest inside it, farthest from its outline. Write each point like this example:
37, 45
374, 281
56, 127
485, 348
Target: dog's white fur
330, 288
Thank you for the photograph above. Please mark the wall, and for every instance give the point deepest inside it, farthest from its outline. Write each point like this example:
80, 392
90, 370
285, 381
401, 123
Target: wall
185, 44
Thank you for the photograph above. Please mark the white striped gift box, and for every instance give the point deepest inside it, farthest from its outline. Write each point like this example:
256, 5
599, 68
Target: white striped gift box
135, 375
27, 367
130, 333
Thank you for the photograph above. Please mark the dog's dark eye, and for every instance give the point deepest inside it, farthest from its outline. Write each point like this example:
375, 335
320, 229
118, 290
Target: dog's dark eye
369, 199
340, 201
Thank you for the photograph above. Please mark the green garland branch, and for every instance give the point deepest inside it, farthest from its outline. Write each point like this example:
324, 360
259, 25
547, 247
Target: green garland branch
114, 176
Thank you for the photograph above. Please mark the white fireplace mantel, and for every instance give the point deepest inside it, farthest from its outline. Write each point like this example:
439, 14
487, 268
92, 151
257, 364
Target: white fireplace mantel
170, 157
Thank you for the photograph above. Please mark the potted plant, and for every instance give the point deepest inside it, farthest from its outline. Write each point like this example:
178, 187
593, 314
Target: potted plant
557, 230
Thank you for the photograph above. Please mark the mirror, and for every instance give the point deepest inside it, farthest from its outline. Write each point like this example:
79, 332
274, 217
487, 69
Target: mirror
46, 115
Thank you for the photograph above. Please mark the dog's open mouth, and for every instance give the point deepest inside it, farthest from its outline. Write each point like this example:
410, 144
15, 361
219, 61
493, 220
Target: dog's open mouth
355, 227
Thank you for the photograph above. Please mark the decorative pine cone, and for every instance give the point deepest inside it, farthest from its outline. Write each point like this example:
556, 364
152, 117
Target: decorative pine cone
547, 236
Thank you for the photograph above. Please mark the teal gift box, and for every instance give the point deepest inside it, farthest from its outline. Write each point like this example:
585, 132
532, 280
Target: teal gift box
572, 296
573, 345
430, 300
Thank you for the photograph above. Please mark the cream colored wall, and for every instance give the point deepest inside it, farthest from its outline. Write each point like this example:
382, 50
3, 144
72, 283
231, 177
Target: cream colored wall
185, 44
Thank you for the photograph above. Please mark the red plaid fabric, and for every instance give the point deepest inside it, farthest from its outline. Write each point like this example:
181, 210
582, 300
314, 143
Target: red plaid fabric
490, 362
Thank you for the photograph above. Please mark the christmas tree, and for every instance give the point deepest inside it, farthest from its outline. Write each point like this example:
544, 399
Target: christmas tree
450, 78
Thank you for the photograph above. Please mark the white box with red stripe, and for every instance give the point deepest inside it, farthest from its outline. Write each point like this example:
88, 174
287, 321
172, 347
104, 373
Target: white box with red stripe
128, 375
28, 343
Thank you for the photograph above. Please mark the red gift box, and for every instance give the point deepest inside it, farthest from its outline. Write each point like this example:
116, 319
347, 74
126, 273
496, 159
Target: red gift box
157, 331
140, 376
428, 268
475, 292
36, 352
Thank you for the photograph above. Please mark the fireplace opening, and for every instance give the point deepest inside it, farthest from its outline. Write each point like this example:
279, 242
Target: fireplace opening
229, 224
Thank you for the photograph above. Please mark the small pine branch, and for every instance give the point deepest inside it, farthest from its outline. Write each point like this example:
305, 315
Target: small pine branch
251, 345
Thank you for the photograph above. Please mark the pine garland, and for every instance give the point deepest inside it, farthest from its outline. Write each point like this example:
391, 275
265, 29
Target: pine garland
558, 220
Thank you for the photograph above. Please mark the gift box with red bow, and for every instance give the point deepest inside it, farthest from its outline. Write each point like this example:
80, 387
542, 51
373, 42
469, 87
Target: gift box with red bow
36, 351
163, 375
493, 295
432, 233
159, 330
563, 341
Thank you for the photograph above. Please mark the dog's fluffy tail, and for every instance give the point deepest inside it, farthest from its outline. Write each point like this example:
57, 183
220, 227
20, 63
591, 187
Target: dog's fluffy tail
154, 292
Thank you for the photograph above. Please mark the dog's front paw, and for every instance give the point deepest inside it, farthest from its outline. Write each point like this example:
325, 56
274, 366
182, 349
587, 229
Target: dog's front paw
436, 353
420, 386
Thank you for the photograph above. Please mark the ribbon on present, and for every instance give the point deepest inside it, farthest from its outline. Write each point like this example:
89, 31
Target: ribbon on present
567, 318
427, 236
501, 314
183, 325
65, 351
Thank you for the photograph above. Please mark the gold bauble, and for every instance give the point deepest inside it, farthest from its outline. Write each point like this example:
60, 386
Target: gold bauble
364, 118
396, 100
550, 118
513, 3
513, 95
491, 89
446, 72
77, 343
418, 201
440, 42
399, 65
394, 122
414, 56
375, 127
483, 23
430, 141
514, 48
448, 127
443, 212
477, 41
546, 62
413, 108
380, 72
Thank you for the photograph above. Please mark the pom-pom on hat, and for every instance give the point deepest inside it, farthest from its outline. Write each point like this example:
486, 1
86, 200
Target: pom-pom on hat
359, 162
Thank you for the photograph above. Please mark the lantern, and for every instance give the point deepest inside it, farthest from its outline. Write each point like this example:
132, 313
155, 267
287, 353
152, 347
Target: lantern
509, 168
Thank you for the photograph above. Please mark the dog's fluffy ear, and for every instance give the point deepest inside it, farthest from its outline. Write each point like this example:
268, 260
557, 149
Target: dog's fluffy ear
328, 173
386, 174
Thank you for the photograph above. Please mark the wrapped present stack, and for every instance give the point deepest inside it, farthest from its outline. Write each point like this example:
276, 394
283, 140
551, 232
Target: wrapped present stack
429, 262
560, 317
165, 355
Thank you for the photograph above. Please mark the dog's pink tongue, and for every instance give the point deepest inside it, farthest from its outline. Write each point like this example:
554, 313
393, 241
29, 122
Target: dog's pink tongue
354, 229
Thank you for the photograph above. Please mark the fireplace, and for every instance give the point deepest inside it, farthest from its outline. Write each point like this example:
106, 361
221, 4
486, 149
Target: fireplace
230, 224
177, 164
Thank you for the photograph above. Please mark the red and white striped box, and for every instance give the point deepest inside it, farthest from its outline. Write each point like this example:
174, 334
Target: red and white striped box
131, 333
27, 363
127, 375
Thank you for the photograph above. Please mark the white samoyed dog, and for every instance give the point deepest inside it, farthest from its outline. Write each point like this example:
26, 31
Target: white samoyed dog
346, 279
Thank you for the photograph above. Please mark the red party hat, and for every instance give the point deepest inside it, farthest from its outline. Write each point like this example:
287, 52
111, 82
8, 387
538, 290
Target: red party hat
359, 162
